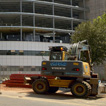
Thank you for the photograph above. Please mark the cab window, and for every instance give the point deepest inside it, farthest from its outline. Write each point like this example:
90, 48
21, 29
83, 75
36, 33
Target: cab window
56, 56
84, 56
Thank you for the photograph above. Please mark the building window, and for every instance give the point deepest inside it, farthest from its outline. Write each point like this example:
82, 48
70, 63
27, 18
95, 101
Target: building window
21, 68
4, 68
12, 69
21, 52
24, 52
33, 68
3, 52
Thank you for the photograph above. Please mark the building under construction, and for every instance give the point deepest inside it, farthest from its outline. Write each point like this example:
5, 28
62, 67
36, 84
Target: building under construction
28, 27
40, 20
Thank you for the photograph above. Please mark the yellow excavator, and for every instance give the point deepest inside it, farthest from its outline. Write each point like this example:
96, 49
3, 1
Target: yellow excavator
72, 71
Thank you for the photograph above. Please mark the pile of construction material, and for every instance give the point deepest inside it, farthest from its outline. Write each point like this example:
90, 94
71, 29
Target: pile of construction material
17, 80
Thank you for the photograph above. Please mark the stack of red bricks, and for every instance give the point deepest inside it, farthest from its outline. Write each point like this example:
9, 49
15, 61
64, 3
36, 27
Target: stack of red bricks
17, 80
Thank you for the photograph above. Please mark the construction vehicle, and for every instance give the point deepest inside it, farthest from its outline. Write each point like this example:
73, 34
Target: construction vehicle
67, 71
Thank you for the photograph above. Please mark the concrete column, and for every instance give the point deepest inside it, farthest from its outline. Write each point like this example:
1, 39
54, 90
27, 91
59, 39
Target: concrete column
34, 20
84, 10
1, 36
71, 16
72, 24
53, 23
71, 11
21, 20
71, 2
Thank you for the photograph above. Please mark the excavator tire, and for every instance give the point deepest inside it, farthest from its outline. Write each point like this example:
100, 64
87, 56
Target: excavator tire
40, 86
81, 89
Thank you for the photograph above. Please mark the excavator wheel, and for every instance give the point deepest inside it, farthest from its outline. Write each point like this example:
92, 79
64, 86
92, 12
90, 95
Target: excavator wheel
81, 89
53, 89
40, 86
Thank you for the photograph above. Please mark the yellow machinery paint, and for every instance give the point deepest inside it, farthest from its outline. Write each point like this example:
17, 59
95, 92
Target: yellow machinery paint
63, 55
59, 83
86, 69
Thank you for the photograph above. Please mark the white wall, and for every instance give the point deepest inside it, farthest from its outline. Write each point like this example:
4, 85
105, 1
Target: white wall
19, 45
21, 60
15, 60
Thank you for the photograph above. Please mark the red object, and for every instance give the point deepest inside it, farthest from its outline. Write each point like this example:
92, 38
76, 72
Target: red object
77, 69
43, 68
17, 80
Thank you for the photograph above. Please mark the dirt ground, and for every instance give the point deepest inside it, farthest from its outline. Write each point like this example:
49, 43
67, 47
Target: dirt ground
3, 87
63, 96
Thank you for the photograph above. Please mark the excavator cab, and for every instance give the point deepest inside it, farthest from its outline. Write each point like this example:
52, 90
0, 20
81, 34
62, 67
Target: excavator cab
79, 51
57, 53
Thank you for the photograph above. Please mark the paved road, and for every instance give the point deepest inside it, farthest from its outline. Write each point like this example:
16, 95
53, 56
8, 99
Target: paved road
11, 98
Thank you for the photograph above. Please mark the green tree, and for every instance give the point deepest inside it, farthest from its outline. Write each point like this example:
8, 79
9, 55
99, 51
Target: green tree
95, 33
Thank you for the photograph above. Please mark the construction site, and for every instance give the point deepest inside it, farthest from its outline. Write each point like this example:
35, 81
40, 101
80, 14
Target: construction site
28, 27
32, 20
35, 66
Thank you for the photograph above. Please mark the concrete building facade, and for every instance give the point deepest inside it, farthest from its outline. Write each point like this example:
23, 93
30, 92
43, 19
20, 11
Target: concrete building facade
96, 8
28, 27
32, 20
